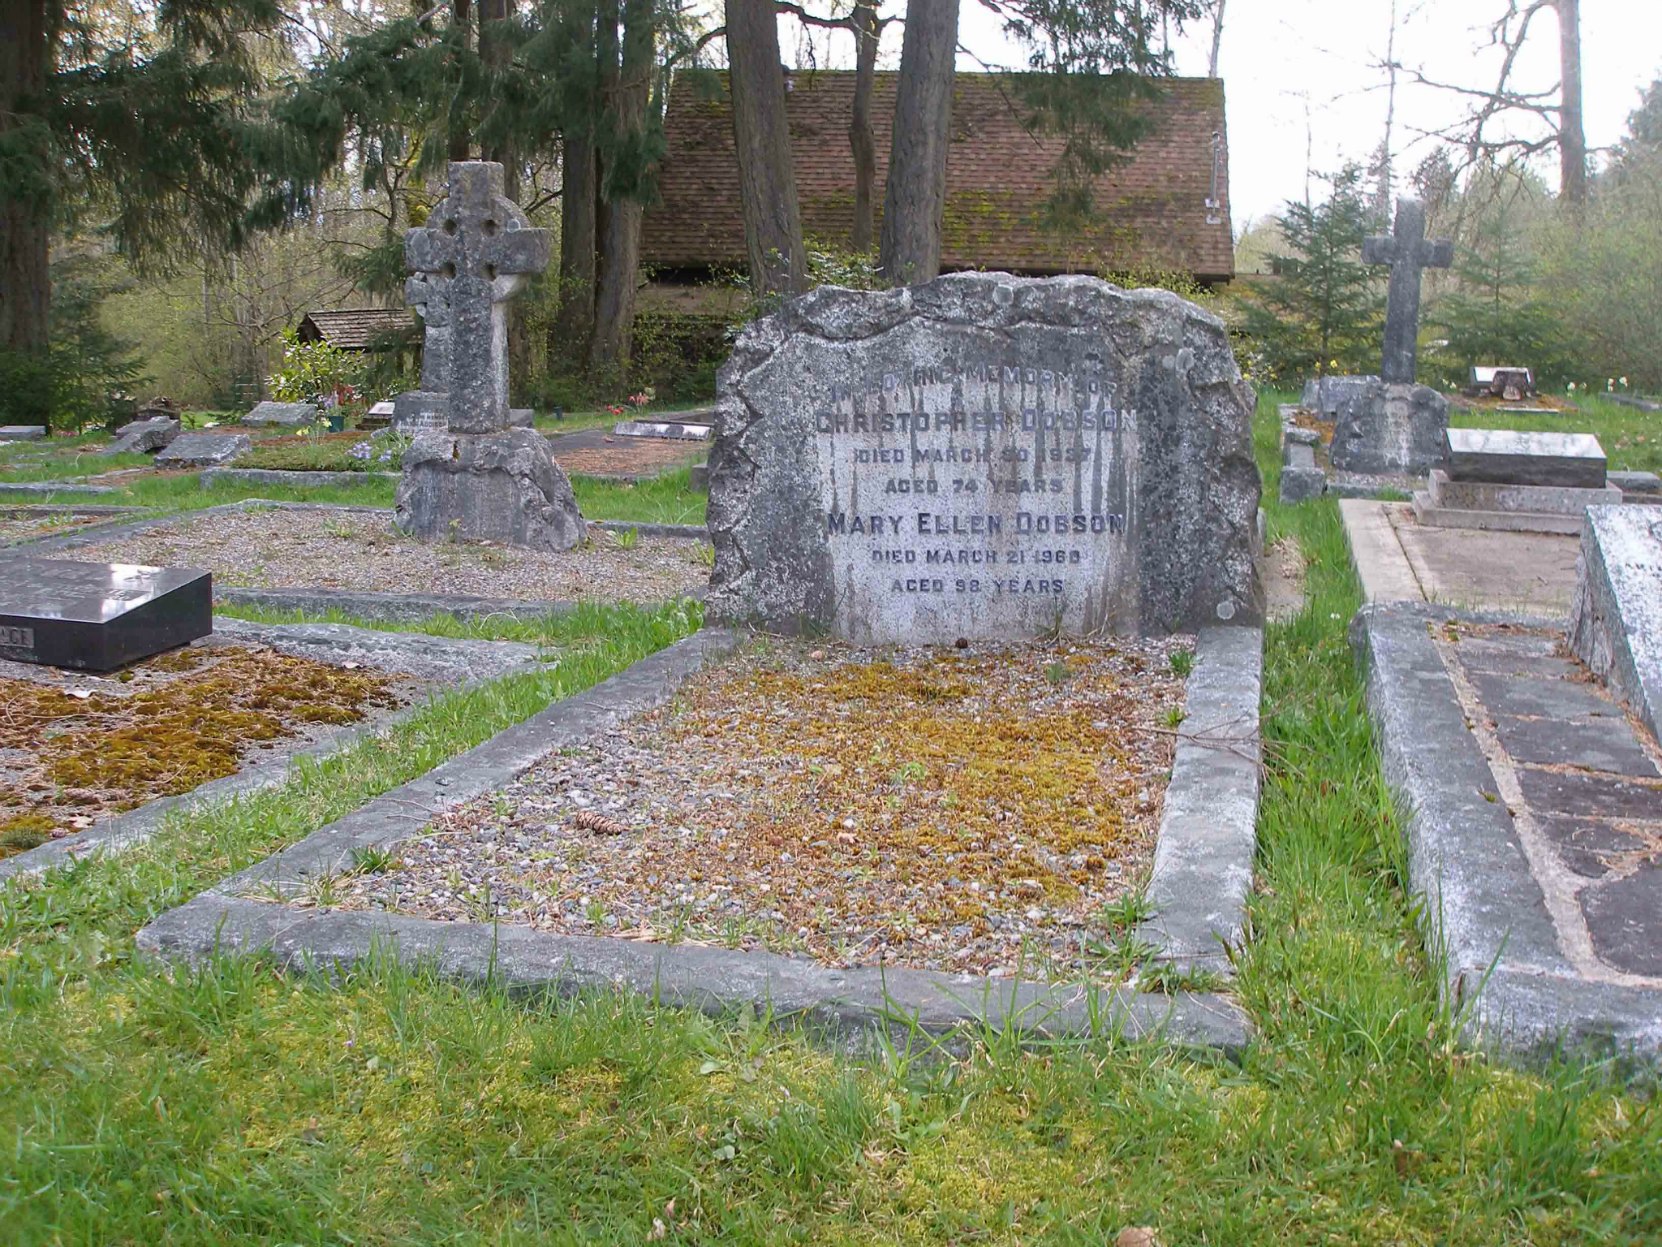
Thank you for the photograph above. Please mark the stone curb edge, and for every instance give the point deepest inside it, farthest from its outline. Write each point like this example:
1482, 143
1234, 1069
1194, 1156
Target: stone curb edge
1203, 857
91, 536
1483, 914
713, 979
129, 830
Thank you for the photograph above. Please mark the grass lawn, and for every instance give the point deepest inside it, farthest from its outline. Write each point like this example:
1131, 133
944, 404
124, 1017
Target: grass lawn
229, 1104
1631, 439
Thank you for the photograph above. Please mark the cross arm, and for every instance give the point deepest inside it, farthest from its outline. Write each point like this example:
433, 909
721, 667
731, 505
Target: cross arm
1379, 250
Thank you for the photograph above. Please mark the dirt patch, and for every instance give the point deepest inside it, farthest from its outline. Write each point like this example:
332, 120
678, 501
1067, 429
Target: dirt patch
280, 548
960, 810
75, 748
1282, 570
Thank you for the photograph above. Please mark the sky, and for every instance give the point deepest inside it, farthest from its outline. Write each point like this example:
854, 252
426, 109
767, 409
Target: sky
1306, 76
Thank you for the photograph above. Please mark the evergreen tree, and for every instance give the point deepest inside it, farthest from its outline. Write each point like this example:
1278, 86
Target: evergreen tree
1324, 312
151, 130
1495, 312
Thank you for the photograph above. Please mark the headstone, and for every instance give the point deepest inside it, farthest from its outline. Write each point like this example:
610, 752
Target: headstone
142, 436
1506, 457
1383, 427
99, 616
379, 416
1325, 395
22, 432
282, 415
1504, 382
1616, 617
1637, 486
1301, 478
471, 473
1408, 252
984, 456
204, 450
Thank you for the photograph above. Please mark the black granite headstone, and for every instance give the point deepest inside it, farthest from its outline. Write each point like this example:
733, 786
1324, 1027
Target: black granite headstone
99, 616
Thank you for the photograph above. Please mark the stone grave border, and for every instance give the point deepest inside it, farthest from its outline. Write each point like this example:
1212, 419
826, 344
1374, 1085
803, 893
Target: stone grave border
111, 517
128, 830
54, 487
1484, 916
292, 478
1203, 869
383, 607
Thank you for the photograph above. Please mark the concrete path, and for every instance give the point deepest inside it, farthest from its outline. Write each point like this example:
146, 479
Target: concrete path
1400, 560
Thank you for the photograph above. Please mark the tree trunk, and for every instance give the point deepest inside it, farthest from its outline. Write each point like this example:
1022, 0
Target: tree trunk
1217, 40
861, 138
25, 285
575, 322
1572, 138
459, 141
762, 140
614, 311
915, 203
497, 50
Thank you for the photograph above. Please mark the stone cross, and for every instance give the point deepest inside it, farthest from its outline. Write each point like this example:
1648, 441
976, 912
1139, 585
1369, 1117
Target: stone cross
475, 253
1407, 250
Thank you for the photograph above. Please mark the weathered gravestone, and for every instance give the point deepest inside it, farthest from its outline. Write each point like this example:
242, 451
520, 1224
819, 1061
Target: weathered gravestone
478, 477
1389, 423
22, 432
141, 436
204, 450
984, 456
281, 415
1616, 616
99, 616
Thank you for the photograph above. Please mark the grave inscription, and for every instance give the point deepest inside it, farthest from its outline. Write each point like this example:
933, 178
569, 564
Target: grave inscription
984, 456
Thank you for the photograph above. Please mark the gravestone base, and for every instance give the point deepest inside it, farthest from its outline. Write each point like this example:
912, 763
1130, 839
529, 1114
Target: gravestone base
502, 486
1386, 426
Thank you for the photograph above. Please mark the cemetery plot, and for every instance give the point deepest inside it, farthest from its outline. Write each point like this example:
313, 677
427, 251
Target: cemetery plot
360, 550
598, 452
1534, 812
965, 810
21, 524
75, 748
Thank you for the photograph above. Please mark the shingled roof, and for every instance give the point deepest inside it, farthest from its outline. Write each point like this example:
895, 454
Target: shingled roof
1150, 212
355, 329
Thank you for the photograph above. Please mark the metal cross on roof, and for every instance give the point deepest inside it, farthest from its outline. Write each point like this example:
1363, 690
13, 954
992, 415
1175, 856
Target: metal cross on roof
1407, 251
475, 253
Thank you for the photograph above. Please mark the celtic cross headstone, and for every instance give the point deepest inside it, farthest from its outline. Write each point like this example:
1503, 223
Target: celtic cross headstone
475, 253
470, 475
1408, 251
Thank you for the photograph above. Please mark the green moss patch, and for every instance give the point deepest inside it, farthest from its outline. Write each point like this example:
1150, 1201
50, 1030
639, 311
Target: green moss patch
70, 756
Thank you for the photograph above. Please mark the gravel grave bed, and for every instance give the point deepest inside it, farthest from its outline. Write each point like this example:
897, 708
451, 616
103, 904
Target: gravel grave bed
362, 552
974, 810
76, 748
630, 456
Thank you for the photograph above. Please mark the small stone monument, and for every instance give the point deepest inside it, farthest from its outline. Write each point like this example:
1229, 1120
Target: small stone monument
984, 456
471, 474
1389, 423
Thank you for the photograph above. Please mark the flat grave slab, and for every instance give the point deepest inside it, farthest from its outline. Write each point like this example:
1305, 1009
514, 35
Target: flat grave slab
92, 762
357, 549
886, 890
98, 616
674, 429
1508, 457
1400, 559
1616, 619
22, 432
282, 415
141, 436
1534, 812
200, 450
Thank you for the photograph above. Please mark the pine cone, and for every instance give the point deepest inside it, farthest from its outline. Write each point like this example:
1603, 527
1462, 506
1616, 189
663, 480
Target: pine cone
588, 820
